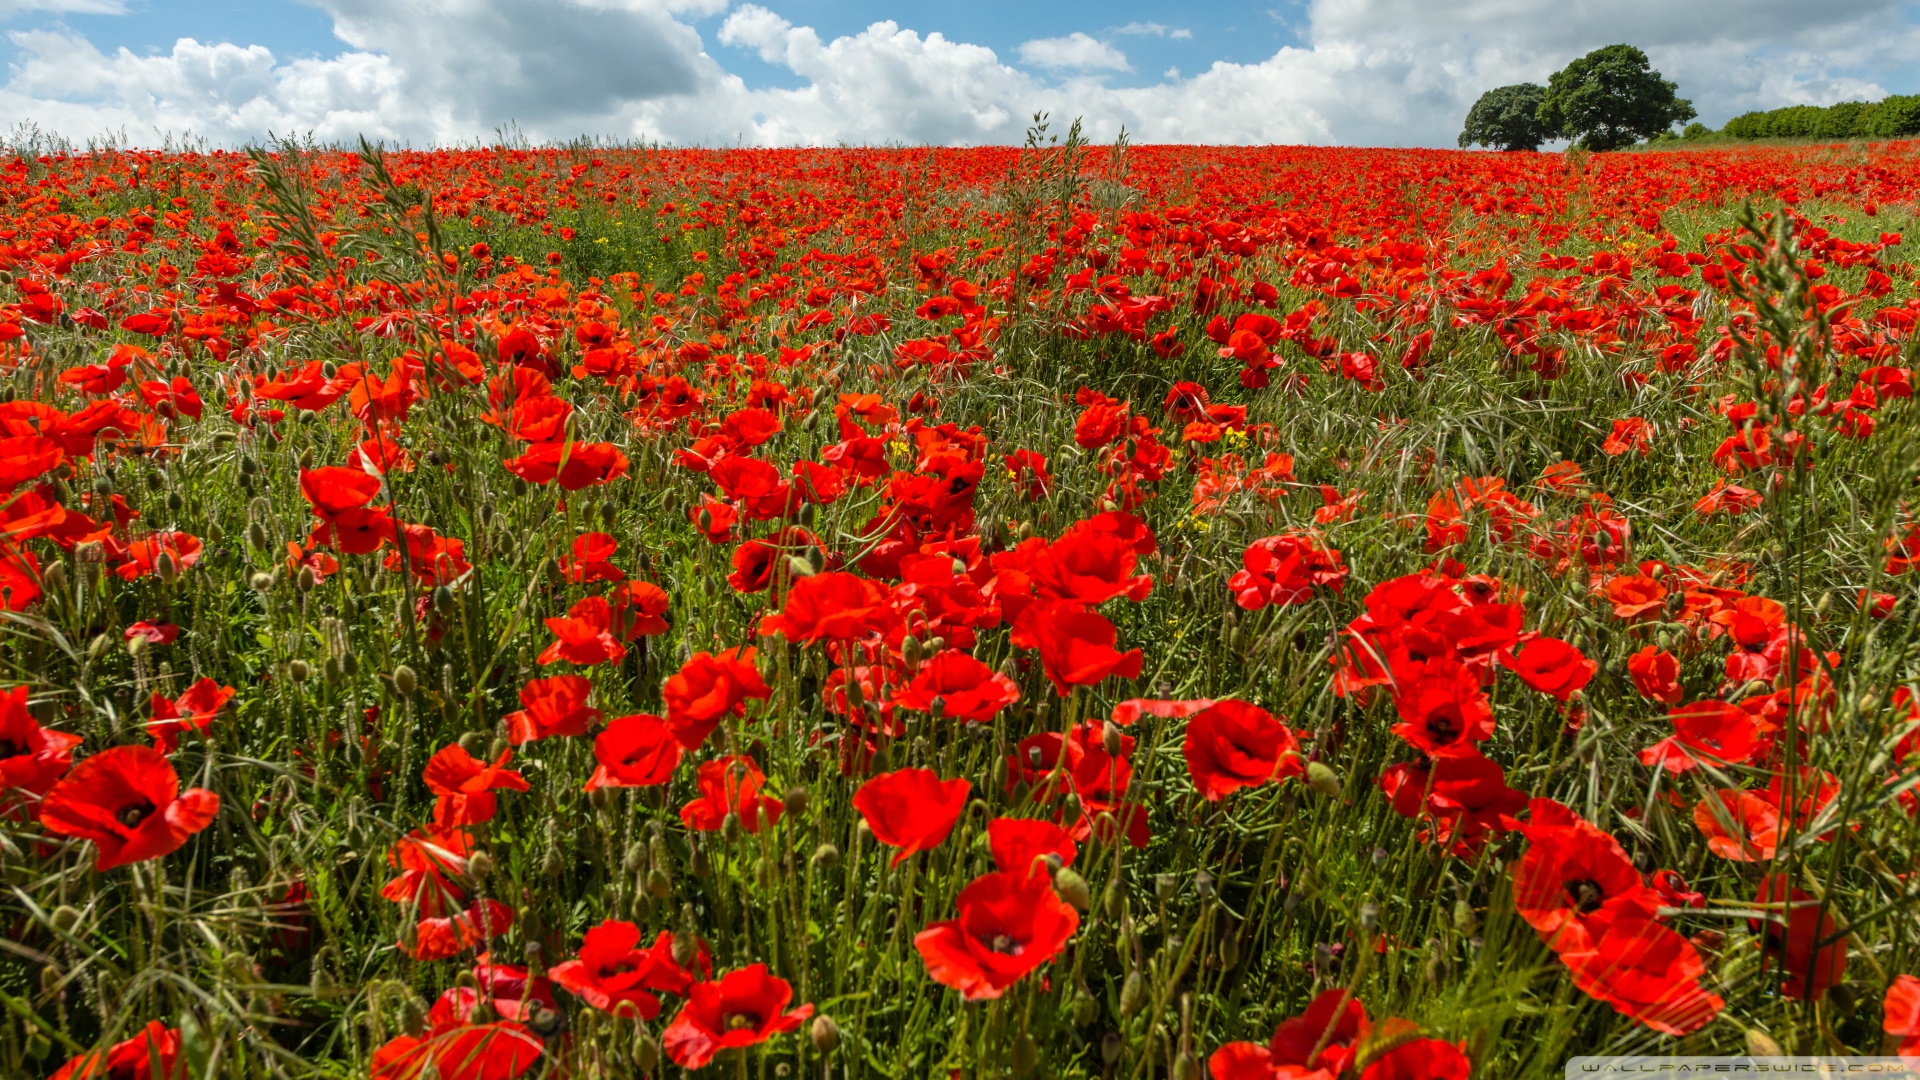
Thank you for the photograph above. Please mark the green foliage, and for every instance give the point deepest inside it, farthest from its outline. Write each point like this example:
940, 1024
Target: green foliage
1507, 117
1611, 98
1896, 117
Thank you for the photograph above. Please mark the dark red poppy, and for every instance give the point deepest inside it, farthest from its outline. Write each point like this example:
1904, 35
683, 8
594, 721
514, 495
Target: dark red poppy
834, 606
911, 809
1234, 744
127, 800
1442, 708
31, 757
1551, 666
731, 785
635, 751
1077, 647
550, 707
708, 688
1006, 924
192, 711
741, 1009
961, 686
464, 786
611, 969
131, 1059
584, 636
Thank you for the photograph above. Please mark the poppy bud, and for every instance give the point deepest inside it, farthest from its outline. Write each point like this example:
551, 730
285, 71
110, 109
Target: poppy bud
1186, 1066
1111, 1047
299, 671
137, 647
260, 582
685, 949
730, 827
646, 1052
307, 579
1463, 917
1025, 1054
798, 567
636, 859
167, 567
1113, 900
1229, 951
248, 466
1369, 915
1164, 886
1133, 994
826, 856
796, 799
54, 577
442, 599
38, 1046
699, 863
479, 865
825, 1034
1761, 1044
602, 799
405, 682
519, 486
1073, 888
551, 864
65, 918
1323, 779
413, 1017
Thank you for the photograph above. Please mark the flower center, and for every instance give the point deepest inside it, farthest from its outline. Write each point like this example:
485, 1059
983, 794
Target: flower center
9, 748
1442, 729
1586, 895
1004, 945
133, 814
740, 1020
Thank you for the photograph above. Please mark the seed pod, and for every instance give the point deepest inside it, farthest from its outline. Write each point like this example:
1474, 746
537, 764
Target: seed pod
1133, 994
646, 1052
1024, 1055
1323, 779
1073, 888
826, 857
1113, 900
796, 800
1761, 1044
405, 682
479, 865
1186, 1066
1164, 886
825, 1034
1111, 1047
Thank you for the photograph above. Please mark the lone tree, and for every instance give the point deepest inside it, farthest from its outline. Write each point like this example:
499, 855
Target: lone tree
1611, 98
1507, 117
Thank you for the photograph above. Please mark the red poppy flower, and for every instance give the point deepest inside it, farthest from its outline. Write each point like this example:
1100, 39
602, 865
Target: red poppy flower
1076, 648
911, 809
1442, 708
612, 969
1316, 1045
456, 1050
1465, 795
714, 519
1018, 843
639, 610
429, 864
1233, 744
556, 706
1006, 924
1788, 940
25, 458
465, 786
1721, 733
591, 552
127, 800
707, 688
1551, 666
1635, 596
1029, 473
964, 688
340, 497
1421, 1059
432, 559
155, 634
1091, 563
583, 636
1901, 1015
731, 785
742, 1008
439, 937
1740, 826
1285, 569
143, 555
193, 711
132, 1059
635, 751
836, 606
1656, 674
31, 757
575, 465
1648, 973
1575, 880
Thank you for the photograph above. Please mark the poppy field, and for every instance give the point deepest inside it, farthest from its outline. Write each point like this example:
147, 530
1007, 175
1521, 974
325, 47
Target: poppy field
1052, 611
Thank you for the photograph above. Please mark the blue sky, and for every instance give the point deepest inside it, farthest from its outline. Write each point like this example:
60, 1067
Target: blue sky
1376, 72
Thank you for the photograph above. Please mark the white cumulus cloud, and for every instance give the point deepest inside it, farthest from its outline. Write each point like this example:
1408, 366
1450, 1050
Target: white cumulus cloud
1075, 52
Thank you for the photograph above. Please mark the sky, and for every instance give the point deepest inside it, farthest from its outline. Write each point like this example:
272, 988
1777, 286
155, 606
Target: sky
872, 72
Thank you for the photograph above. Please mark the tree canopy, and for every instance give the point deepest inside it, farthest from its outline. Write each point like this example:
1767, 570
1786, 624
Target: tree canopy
1611, 98
1507, 117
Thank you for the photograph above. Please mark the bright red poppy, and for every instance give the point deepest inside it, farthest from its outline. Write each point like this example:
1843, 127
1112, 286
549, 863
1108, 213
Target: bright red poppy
708, 688
961, 686
456, 1050
575, 465
1714, 731
1656, 675
31, 757
550, 707
635, 751
740, 1009
464, 786
1018, 844
1901, 1015
1233, 744
833, 606
1284, 570
611, 969
127, 800
1006, 924
1551, 666
340, 498
193, 711
589, 561
583, 636
911, 809
1442, 708
131, 1059
639, 610
1316, 1045
1421, 1059
731, 785
1798, 940
1077, 648
439, 937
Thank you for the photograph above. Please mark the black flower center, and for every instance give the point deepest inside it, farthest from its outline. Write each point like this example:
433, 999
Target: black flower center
1004, 945
9, 748
132, 814
739, 1020
1586, 895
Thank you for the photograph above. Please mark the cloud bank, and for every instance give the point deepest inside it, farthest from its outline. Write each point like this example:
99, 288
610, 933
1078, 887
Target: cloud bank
1370, 72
